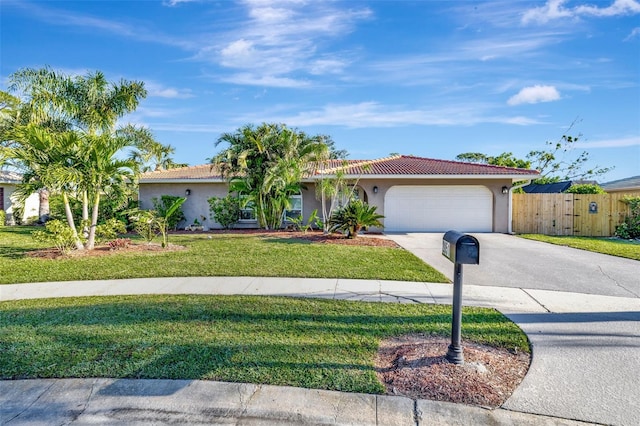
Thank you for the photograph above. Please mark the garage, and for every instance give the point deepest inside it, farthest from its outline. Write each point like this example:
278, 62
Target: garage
421, 208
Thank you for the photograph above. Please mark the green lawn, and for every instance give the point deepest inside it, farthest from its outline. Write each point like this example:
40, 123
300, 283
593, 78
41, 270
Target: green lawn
614, 247
312, 343
215, 255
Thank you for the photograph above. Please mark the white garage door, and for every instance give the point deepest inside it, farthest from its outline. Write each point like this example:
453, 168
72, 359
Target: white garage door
465, 208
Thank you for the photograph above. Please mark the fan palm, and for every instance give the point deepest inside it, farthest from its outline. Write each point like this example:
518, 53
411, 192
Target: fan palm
356, 215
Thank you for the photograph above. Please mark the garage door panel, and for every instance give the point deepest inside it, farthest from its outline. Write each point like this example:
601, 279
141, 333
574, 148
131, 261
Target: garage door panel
467, 208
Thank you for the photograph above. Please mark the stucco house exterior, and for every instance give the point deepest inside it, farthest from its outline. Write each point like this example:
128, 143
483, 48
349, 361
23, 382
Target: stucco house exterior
414, 194
8, 184
630, 184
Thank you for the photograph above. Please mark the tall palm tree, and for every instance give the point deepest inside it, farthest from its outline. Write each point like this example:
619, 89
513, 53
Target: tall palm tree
270, 160
88, 106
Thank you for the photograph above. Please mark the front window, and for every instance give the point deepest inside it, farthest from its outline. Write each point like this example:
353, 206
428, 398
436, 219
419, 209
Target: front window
247, 210
295, 207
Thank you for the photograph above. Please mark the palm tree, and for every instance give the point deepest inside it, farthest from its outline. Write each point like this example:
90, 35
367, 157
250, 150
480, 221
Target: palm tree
270, 161
88, 107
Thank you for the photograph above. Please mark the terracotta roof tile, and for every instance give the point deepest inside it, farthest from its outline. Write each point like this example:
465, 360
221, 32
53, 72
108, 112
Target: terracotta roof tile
398, 165
411, 165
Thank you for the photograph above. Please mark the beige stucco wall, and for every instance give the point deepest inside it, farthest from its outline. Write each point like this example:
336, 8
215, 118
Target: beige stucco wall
197, 204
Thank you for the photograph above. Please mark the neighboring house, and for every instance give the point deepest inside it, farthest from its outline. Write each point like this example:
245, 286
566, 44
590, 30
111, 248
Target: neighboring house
631, 184
8, 184
547, 188
413, 193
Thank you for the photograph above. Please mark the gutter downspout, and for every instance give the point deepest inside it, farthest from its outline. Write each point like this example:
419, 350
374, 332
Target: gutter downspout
525, 183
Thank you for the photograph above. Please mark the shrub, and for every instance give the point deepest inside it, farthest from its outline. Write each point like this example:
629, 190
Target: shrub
351, 218
163, 205
585, 188
3, 218
110, 229
630, 227
144, 224
225, 211
57, 233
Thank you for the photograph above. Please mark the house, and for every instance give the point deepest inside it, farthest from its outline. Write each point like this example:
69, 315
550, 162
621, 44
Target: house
413, 193
627, 185
547, 188
9, 182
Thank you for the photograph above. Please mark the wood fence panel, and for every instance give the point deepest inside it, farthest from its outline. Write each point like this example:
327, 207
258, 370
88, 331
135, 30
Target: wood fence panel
549, 214
569, 214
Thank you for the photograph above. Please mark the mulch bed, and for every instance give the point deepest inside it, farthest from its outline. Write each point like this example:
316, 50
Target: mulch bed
415, 366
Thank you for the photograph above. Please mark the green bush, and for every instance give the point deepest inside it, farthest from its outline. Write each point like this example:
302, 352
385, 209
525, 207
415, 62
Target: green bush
110, 230
144, 224
225, 211
3, 218
163, 205
57, 233
630, 227
585, 188
351, 218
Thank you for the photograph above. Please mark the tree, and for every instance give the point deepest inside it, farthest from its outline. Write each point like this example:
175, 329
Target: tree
150, 154
77, 117
266, 164
356, 215
555, 163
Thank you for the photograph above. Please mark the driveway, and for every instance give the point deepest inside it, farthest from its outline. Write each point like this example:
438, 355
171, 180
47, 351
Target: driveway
510, 261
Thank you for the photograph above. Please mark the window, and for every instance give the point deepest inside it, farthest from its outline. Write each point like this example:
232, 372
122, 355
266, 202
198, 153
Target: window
247, 210
295, 207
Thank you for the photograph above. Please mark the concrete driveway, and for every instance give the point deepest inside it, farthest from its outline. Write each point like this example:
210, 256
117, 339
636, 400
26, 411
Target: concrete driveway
510, 261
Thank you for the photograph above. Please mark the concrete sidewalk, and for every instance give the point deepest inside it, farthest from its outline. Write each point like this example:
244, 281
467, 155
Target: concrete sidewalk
585, 363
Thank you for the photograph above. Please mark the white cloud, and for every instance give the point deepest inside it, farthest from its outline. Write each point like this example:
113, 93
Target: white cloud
375, 115
281, 38
610, 143
635, 33
160, 91
250, 79
555, 9
176, 2
535, 94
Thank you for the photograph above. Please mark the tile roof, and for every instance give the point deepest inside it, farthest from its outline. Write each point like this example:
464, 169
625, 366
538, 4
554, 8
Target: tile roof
202, 172
10, 177
627, 183
399, 165
411, 165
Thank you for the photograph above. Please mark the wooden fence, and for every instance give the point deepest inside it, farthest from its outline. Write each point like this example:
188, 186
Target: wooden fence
585, 215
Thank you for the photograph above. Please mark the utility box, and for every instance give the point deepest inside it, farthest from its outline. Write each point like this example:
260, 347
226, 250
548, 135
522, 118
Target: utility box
461, 248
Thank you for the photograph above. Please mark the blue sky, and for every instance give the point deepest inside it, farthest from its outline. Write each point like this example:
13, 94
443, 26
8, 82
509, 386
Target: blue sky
428, 78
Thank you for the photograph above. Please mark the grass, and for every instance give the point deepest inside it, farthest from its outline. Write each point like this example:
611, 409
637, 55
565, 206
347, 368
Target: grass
220, 255
613, 247
311, 343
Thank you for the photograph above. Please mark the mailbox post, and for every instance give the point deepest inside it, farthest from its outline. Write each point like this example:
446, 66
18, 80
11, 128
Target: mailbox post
460, 249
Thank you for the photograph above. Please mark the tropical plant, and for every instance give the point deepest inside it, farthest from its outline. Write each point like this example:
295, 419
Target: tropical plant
110, 230
3, 218
163, 220
144, 224
298, 223
354, 216
74, 118
265, 164
630, 227
225, 210
57, 233
164, 204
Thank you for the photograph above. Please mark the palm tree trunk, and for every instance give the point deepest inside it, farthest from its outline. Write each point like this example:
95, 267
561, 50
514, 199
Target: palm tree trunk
72, 225
94, 222
85, 214
43, 208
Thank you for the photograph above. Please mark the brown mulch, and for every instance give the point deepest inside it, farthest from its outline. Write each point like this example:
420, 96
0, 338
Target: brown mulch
415, 366
375, 240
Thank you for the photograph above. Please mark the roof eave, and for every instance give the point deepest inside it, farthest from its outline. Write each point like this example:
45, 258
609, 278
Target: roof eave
515, 177
184, 180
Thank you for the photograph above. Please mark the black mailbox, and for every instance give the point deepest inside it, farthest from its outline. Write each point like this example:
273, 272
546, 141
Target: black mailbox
461, 248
